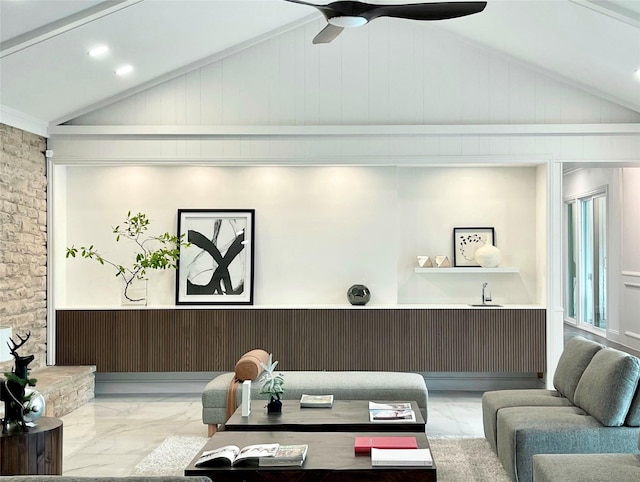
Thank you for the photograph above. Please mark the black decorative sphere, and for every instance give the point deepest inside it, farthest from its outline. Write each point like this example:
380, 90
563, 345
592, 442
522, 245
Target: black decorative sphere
358, 295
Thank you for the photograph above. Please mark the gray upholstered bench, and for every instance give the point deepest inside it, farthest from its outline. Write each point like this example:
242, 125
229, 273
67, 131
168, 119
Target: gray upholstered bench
349, 385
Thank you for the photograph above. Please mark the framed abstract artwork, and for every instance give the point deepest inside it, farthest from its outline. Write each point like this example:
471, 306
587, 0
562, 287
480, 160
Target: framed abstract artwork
217, 266
466, 241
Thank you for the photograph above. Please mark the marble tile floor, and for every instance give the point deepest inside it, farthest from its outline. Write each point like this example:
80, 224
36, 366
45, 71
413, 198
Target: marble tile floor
111, 434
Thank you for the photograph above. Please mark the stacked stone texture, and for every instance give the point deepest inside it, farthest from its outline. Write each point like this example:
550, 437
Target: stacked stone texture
23, 240
65, 388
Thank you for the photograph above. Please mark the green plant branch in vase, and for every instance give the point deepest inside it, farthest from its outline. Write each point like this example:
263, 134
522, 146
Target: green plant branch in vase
272, 385
152, 252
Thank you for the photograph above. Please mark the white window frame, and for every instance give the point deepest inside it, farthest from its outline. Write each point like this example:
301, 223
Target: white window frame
578, 199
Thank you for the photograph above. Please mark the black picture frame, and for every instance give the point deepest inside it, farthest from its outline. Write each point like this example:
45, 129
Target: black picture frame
217, 267
467, 240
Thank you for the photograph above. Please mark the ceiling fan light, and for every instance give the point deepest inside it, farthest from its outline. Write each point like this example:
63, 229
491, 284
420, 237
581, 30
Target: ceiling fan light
347, 21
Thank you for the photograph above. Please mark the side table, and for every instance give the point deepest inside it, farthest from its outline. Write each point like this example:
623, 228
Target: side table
36, 452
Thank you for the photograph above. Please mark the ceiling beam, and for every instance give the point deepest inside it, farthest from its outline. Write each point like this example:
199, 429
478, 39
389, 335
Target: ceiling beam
53, 29
131, 131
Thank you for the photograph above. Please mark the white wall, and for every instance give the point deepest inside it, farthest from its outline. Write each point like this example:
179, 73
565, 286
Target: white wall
630, 266
318, 229
432, 201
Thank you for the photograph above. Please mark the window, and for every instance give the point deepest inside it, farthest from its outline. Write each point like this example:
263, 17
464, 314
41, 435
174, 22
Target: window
571, 261
586, 260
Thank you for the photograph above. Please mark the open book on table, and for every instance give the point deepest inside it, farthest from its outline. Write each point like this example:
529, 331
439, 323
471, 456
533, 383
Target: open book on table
391, 412
232, 454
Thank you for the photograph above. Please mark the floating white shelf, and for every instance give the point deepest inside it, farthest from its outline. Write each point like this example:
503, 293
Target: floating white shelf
465, 270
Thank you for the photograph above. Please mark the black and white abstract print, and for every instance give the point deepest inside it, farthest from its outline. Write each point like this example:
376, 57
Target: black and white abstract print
217, 266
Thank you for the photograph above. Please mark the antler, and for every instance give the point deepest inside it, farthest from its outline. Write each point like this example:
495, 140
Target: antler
16, 346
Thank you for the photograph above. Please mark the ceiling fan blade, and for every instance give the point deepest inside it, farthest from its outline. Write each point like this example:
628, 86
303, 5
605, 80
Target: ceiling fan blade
337, 9
426, 11
366, 12
327, 34
302, 2
413, 11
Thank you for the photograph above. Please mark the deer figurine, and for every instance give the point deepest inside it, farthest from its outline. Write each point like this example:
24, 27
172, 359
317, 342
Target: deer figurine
12, 390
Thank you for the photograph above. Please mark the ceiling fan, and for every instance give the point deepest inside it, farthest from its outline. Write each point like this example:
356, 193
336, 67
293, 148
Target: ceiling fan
346, 13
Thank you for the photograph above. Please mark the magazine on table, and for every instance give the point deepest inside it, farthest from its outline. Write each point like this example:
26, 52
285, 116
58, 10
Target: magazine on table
292, 455
391, 412
232, 454
316, 401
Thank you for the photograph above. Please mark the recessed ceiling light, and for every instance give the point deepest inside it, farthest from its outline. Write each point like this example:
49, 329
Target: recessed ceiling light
124, 70
98, 51
638, 72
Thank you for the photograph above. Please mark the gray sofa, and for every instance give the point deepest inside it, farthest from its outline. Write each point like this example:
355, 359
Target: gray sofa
595, 408
586, 468
349, 385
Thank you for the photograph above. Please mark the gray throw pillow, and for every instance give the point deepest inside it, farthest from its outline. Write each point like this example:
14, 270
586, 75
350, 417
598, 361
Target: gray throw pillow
633, 417
575, 358
608, 385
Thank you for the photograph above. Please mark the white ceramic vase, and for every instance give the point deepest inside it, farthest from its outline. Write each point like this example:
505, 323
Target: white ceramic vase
488, 256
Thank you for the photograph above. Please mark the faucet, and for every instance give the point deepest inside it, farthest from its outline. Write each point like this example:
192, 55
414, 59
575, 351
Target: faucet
486, 294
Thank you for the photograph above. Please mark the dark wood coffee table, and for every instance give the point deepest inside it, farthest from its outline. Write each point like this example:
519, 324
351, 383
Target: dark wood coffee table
330, 458
344, 416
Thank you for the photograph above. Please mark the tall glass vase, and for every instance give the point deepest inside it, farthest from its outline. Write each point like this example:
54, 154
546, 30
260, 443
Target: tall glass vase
136, 294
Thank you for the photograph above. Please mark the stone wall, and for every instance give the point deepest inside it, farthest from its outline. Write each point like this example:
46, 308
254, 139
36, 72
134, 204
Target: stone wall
23, 243
65, 388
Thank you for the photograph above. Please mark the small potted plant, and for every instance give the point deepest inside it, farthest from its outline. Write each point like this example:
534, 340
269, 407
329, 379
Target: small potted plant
272, 385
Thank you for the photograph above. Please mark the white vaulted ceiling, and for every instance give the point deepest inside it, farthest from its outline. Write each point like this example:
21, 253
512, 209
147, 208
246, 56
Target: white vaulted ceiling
47, 77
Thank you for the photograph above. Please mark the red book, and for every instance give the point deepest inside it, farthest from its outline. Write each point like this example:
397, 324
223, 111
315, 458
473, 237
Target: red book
363, 445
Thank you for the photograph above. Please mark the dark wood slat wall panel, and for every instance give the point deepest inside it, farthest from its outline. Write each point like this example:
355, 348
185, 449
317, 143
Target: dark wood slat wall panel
204, 340
90, 337
422, 340
128, 342
159, 335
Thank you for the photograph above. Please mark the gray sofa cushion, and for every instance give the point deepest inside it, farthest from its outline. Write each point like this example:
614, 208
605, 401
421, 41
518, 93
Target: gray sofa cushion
526, 431
494, 401
608, 385
586, 468
633, 417
575, 358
